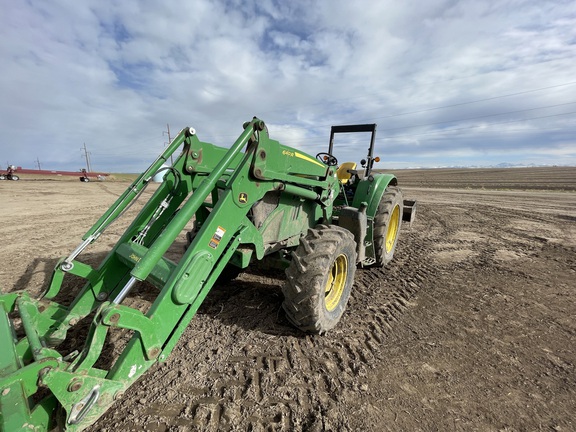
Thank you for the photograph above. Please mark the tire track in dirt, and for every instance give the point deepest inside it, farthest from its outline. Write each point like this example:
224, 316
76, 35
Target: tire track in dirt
474, 304
330, 367
291, 382
250, 370
284, 380
106, 189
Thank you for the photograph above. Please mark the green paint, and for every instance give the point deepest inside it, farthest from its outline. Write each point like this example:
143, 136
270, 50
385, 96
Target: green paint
253, 199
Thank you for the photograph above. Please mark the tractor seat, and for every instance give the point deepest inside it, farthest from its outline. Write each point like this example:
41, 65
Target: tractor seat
342, 172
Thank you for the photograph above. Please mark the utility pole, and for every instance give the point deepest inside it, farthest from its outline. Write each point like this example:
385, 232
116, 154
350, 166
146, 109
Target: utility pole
169, 141
38, 163
86, 154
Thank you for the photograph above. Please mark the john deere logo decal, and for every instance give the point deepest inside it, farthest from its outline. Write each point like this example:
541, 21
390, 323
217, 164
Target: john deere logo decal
243, 197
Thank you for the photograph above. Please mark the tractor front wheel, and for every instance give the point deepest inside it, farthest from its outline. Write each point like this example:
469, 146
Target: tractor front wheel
387, 225
320, 278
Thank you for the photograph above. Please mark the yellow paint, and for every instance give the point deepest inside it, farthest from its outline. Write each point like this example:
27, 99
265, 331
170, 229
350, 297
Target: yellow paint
309, 159
336, 282
392, 231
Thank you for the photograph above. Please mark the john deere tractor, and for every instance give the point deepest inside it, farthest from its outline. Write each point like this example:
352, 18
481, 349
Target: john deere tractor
259, 199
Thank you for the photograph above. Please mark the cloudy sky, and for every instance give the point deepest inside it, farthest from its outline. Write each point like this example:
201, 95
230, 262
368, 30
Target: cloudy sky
449, 82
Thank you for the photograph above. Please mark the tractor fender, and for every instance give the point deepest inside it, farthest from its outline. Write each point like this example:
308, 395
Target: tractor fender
370, 191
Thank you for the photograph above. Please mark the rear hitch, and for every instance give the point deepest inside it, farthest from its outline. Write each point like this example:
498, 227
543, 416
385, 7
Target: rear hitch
409, 214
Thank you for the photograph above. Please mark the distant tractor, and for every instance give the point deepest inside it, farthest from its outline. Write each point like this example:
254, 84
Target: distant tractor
10, 174
84, 177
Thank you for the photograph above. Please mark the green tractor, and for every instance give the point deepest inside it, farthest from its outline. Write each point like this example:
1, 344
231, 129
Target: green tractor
256, 200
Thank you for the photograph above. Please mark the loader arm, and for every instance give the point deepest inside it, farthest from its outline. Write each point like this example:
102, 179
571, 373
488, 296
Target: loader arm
220, 189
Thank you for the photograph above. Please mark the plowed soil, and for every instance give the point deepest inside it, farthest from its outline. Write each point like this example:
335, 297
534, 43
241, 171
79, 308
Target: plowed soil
472, 326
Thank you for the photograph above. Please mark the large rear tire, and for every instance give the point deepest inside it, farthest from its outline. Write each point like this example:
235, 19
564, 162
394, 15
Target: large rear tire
387, 223
320, 278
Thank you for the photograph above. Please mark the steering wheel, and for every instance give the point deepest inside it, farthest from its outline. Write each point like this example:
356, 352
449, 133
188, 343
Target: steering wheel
327, 158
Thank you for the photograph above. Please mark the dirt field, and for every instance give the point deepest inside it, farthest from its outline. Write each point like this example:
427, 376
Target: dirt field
472, 327
541, 178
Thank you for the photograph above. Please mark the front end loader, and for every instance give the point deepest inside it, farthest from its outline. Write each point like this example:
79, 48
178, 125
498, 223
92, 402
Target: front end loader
256, 200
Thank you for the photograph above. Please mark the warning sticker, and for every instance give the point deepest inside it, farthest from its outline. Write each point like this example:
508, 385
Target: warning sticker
215, 240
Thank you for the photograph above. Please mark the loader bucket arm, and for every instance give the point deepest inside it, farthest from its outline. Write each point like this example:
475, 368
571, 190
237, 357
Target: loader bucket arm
217, 186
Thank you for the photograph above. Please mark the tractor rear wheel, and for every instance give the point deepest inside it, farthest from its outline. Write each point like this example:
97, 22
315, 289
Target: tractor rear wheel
387, 225
320, 278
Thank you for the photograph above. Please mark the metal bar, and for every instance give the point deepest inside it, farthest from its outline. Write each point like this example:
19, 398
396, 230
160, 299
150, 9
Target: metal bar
370, 162
124, 292
355, 128
27, 310
371, 127
159, 248
9, 360
299, 191
67, 264
124, 200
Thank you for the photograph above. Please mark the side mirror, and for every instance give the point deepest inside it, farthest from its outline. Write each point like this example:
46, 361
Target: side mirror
363, 163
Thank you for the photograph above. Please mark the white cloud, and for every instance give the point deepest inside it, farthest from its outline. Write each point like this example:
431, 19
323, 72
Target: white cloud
113, 74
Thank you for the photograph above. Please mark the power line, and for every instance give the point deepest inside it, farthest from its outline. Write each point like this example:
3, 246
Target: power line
498, 133
461, 103
492, 131
216, 137
372, 94
309, 143
478, 117
475, 127
469, 118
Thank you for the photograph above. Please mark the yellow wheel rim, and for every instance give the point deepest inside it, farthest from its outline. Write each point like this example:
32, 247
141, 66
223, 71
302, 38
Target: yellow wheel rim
336, 282
392, 231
